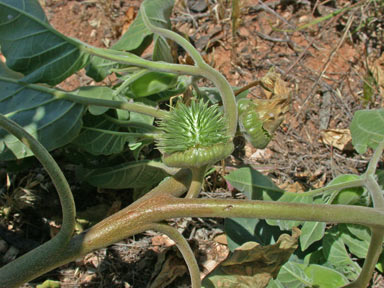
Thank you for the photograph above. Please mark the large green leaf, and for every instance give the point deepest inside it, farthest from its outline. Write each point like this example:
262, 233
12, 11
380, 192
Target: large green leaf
291, 275
241, 230
102, 137
32, 47
161, 50
367, 129
137, 37
348, 196
179, 88
337, 255
355, 245
253, 184
324, 277
96, 92
159, 13
52, 121
256, 186
128, 175
153, 83
359, 231
310, 233
292, 198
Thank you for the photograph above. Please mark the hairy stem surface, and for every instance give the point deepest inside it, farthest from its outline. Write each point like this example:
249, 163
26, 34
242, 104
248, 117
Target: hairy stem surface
30, 265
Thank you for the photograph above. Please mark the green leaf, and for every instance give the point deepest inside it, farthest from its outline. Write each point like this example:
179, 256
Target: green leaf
162, 50
315, 257
256, 186
158, 12
367, 129
292, 198
6, 72
241, 230
98, 92
33, 47
275, 284
180, 87
102, 137
128, 175
380, 263
137, 37
324, 277
355, 245
153, 83
337, 255
348, 196
253, 184
49, 284
359, 231
310, 233
52, 121
292, 275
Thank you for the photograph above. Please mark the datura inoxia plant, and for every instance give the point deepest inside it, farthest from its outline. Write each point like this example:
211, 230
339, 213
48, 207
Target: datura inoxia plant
113, 129
194, 136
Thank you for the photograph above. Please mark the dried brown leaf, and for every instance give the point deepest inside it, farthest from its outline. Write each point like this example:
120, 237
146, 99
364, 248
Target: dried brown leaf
339, 138
273, 109
253, 265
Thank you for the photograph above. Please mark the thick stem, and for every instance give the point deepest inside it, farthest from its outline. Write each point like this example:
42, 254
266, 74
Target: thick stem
131, 59
72, 96
29, 266
49, 257
158, 207
377, 234
197, 181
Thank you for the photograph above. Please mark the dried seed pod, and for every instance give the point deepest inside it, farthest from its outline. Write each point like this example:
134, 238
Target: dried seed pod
193, 136
260, 118
251, 125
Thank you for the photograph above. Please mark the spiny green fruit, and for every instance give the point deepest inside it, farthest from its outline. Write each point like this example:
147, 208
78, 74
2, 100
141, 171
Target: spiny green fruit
193, 136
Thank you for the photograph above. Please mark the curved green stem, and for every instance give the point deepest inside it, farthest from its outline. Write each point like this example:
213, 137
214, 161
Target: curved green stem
334, 187
131, 59
371, 184
130, 80
184, 248
374, 251
133, 107
130, 123
226, 92
197, 181
158, 206
371, 170
122, 134
377, 234
376, 192
28, 266
72, 96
